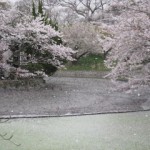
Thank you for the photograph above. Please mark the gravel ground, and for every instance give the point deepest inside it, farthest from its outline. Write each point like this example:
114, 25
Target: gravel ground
71, 96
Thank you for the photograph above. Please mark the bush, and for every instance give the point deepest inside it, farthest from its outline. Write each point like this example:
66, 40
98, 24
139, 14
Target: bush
49, 69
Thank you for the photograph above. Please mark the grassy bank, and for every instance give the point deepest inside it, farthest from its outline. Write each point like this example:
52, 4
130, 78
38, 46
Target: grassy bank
88, 63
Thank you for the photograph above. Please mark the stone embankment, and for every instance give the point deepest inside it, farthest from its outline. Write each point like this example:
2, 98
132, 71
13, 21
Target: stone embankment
22, 83
81, 74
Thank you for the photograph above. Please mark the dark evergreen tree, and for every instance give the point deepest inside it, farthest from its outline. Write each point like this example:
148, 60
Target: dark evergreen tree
40, 12
33, 10
40, 8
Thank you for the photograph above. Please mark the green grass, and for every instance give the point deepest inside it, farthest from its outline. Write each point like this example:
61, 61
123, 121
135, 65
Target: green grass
89, 63
126, 131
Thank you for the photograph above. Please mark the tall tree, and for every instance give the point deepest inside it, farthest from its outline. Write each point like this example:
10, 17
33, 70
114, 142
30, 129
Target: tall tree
33, 10
40, 7
35, 39
85, 38
130, 56
90, 10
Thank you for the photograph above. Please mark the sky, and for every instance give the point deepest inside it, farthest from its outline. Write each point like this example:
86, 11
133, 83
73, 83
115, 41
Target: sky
9, 0
13, 0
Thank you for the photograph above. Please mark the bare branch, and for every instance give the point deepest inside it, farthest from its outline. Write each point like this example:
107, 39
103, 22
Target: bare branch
89, 9
9, 138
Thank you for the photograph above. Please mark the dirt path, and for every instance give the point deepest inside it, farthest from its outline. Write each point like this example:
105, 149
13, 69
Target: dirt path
71, 96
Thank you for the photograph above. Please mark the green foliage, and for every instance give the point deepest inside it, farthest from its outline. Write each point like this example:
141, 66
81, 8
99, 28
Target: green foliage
91, 62
53, 24
40, 12
57, 40
47, 68
40, 7
33, 10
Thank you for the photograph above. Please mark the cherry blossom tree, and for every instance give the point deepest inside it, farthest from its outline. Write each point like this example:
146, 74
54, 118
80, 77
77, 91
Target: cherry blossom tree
32, 37
130, 54
78, 36
85, 38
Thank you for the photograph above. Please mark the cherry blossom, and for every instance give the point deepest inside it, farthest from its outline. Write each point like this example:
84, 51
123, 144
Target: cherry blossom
20, 33
130, 54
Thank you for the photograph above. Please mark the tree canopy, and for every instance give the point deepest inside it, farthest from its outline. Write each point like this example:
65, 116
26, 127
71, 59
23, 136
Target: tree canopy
31, 36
